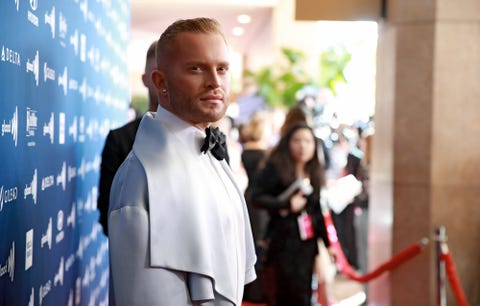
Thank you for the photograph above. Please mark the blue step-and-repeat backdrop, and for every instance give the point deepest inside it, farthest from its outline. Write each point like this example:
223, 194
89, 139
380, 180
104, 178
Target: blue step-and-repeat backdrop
63, 86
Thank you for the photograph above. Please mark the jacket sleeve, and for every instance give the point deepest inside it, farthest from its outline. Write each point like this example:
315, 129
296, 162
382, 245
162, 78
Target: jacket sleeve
265, 188
319, 224
134, 281
108, 168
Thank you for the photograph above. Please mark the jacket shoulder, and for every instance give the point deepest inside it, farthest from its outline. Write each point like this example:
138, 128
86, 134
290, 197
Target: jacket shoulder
129, 186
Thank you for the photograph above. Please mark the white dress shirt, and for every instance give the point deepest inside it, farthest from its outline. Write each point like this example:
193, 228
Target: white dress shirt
177, 214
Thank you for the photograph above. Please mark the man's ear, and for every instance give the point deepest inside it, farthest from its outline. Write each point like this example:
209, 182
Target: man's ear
158, 79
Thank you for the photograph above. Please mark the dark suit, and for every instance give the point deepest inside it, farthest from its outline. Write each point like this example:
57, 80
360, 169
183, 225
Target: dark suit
118, 144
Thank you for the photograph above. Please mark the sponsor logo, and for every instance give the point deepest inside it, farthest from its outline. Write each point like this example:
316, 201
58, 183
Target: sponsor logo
10, 56
29, 249
7, 195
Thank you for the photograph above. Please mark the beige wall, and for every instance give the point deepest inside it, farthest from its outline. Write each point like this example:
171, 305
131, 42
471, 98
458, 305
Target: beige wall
338, 10
431, 98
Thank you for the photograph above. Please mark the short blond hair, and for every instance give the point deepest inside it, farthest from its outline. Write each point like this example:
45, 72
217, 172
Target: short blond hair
196, 25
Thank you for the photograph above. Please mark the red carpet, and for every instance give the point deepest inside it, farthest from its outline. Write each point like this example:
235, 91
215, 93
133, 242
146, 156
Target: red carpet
252, 304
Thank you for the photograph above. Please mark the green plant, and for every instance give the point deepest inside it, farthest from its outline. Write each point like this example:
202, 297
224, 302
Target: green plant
333, 62
278, 84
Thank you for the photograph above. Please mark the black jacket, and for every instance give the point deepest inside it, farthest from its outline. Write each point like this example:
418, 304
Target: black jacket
118, 144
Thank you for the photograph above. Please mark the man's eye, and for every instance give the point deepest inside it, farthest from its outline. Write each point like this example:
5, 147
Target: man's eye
195, 68
223, 69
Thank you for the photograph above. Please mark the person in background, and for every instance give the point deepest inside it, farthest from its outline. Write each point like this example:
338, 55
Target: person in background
343, 163
358, 162
255, 137
179, 232
324, 268
119, 142
300, 114
289, 188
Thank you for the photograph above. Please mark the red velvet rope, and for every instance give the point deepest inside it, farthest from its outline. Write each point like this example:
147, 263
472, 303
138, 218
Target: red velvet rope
452, 275
347, 270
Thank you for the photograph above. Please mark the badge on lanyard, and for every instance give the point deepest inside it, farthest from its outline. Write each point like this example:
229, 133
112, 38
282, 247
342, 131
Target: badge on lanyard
305, 226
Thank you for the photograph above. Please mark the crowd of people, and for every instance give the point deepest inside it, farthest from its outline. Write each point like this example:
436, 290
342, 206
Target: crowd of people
286, 263
219, 217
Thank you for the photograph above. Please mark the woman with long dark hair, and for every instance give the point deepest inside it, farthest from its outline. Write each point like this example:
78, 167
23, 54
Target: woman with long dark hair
289, 188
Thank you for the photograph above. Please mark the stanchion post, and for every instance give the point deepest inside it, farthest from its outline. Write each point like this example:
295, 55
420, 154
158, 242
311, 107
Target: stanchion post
440, 238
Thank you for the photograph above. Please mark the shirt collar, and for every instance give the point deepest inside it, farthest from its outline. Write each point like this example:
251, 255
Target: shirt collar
184, 130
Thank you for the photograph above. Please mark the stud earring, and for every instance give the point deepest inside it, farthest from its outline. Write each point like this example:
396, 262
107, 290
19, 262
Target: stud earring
164, 90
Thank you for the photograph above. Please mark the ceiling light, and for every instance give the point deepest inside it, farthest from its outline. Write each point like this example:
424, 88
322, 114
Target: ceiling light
244, 19
237, 31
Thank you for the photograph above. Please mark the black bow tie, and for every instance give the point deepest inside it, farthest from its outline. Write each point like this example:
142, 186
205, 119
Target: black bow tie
215, 142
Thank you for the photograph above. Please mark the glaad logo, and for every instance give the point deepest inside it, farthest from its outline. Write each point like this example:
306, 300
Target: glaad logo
104, 128
62, 176
98, 95
44, 290
31, 189
78, 290
12, 126
93, 56
71, 173
70, 298
58, 278
48, 128
9, 266
63, 80
62, 28
31, 301
71, 217
83, 89
81, 129
50, 20
81, 248
74, 41
69, 262
72, 129
31, 16
104, 279
84, 9
33, 66
7, 196
47, 237
82, 170
91, 128
29, 249
89, 166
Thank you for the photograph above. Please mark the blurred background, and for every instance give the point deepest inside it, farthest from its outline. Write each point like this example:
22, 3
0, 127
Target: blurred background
275, 57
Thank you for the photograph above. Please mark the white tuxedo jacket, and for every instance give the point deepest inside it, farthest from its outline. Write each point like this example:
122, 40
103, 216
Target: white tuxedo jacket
178, 224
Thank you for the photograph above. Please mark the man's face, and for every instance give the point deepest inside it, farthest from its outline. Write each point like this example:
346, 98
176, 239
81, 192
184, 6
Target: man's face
197, 78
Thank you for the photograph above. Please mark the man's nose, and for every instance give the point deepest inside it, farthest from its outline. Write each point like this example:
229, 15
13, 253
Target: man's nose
213, 80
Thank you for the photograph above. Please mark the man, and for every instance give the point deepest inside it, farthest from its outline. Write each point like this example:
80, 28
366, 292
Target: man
120, 141
179, 230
